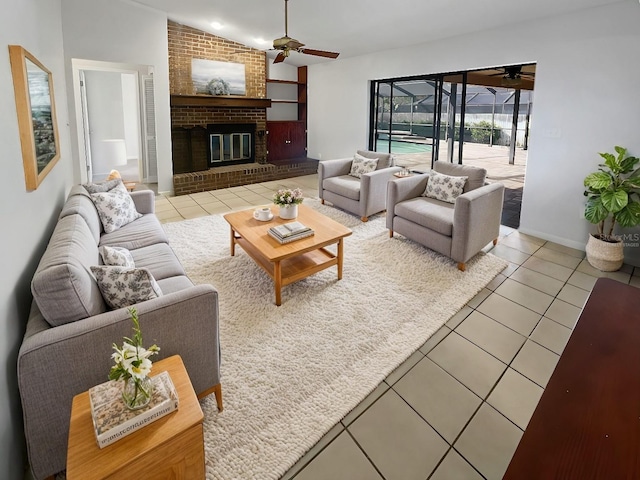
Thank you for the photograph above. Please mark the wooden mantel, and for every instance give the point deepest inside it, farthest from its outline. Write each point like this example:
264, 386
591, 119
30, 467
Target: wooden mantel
219, 101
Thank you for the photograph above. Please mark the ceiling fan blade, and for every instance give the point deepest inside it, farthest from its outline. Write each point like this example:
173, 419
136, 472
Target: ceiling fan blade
318, 53
280, 57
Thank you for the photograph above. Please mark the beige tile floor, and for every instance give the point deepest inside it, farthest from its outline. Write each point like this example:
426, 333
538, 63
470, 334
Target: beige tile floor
457, 408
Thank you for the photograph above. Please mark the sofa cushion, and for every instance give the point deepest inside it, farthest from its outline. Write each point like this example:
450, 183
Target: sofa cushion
159, 259
122, 286
115, 208
385, 160
79, 203
475, 176
444, 187
429, 213
116, 256
63, 287
142, 232
362, 165
174, 284
344, 185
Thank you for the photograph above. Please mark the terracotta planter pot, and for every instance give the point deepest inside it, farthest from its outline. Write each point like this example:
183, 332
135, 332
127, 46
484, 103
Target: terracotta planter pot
605, 256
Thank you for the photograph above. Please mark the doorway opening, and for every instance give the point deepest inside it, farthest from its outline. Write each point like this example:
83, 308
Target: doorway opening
478, 118
115, 115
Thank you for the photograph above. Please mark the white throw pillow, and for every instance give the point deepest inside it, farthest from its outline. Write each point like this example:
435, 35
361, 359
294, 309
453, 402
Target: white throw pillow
115, 208
444, 187
362, 165
122, 287
116, 256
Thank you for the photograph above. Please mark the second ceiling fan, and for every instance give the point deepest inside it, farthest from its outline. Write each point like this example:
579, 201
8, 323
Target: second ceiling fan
287, 44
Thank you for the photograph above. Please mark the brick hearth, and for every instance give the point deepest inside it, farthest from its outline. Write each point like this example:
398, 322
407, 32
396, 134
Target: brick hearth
235, 175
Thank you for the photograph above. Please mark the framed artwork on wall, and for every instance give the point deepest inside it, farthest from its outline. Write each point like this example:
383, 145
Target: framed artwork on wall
218, 78
35, 105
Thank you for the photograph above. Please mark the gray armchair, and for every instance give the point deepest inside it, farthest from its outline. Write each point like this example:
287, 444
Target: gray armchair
362, 196
458, 230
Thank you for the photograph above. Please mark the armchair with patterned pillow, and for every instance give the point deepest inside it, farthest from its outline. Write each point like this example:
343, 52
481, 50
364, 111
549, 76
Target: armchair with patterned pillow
450, 210
357, 184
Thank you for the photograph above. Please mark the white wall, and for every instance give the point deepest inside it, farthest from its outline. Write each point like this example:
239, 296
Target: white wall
281, 71
27, 218
104, 96
123, 32
586, 88
106, 116
131, 112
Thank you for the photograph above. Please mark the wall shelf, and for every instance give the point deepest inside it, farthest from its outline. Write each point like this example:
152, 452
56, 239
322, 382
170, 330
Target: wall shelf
287, 119
288, 82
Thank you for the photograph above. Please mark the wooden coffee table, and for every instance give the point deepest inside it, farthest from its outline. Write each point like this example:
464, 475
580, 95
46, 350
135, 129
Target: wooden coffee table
293, 261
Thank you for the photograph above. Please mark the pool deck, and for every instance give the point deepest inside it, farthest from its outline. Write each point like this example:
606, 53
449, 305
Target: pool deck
494, 159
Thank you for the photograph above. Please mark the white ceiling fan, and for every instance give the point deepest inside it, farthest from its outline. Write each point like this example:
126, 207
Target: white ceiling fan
287, 44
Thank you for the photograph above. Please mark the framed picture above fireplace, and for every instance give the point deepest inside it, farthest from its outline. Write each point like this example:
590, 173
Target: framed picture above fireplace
218, 78
35, 106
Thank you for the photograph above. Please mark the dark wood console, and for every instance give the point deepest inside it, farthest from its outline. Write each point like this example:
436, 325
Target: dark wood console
587, 423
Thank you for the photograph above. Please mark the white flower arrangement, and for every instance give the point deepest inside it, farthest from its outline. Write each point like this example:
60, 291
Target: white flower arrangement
132, 360
286, 196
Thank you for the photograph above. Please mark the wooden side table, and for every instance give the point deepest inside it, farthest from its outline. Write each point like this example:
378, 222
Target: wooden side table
171, 447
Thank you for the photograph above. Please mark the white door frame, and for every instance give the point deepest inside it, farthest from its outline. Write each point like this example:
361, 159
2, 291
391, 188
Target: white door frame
77, 67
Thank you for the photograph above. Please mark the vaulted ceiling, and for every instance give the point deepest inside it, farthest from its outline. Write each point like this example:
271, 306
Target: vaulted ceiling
356, 27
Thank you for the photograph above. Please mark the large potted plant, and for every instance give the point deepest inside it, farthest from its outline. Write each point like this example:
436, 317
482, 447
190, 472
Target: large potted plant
612, 199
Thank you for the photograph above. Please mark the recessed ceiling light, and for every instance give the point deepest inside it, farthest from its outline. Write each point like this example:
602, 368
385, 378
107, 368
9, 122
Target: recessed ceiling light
260, 41
217, 25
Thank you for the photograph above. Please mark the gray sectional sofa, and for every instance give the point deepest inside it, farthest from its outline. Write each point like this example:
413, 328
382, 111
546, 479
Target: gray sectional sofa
68, 342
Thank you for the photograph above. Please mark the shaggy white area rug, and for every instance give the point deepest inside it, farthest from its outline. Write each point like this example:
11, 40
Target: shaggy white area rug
290, 373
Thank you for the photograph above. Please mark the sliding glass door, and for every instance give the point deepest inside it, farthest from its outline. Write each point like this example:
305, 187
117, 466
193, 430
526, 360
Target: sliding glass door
405, 117
452, 117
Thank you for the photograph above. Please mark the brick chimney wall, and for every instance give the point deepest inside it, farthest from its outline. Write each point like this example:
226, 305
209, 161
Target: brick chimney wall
186, 43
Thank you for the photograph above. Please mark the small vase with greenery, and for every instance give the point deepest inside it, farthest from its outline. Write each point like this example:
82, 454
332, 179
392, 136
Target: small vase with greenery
613, 198
133, 366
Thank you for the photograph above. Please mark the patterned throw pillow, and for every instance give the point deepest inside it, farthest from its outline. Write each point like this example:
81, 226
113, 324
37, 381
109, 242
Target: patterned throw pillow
444, 187
115, 208
122, 287
102, 187
116, 256
362, 165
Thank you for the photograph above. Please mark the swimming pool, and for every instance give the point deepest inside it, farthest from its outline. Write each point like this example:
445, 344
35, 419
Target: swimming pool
402, 147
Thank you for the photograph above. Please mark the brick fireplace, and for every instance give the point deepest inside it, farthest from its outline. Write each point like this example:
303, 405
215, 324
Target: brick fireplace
192, 125
194, 117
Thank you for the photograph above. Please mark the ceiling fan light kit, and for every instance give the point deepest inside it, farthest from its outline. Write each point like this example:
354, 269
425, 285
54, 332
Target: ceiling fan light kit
286, 44
512, 77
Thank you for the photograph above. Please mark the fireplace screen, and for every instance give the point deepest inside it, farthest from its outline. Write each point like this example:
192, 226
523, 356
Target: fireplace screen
231, 143
227, 147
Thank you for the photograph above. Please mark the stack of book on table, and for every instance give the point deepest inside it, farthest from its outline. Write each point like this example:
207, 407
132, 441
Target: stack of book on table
290, 231
112, 420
